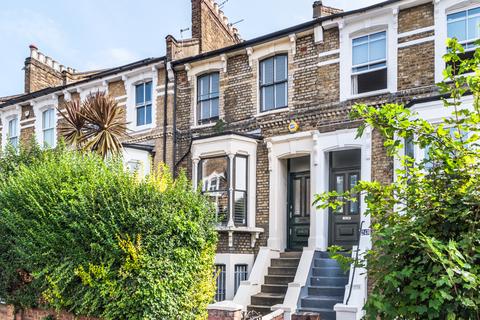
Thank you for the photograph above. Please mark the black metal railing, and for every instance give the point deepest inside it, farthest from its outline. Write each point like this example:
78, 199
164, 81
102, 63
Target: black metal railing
355, 263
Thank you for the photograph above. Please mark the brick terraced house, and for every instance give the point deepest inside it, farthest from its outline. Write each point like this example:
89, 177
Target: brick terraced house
262, 126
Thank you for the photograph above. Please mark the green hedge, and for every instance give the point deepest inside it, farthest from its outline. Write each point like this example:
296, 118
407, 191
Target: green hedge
83, 235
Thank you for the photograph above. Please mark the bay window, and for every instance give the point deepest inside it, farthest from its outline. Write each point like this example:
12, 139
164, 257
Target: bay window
274, 83
208, 98
12, 133
227, 191
369, 63
48, 127
143, 103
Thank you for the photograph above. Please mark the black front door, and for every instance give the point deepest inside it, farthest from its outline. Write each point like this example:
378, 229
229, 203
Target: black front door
344, 221
298, 210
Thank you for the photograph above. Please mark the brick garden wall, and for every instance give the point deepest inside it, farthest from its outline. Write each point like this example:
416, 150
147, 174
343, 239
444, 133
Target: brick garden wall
8, 313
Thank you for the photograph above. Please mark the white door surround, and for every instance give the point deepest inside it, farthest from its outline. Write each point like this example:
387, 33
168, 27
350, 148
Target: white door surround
318, 146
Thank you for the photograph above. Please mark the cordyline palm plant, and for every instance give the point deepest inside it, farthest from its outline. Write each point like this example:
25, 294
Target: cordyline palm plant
97, 124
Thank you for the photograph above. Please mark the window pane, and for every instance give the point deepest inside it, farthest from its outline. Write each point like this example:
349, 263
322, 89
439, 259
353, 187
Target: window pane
214, 171
457, 29
473, 28
148, 91
214, 108
140, 116
268, 98
346, 158
378, 50
267, 71
360, 40
280, 68
139, 94
281, 95
360, 54
214, 89
371, 81
12, 128
220, 273
241, 274
455, 16
204, 87
241, 173
48, 138
240, 208
205, 109
148, 114
353, 205
474, 11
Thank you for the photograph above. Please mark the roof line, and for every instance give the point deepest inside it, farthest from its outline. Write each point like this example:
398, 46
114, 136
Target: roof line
280, 33
116, 70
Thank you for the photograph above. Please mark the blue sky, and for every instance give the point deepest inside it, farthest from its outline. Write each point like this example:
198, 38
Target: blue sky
92, 34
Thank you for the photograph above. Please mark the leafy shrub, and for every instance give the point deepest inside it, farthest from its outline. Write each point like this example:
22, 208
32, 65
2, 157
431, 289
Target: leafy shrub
83, 235
425, 261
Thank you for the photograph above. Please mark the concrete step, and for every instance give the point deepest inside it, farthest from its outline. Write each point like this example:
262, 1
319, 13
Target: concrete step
326, 255
320, 302
285, 280
329, 281
326, 291
287, 271
285, 262
267, 299
262, 310
325, 314
291, 254
274, 288
325, 263
328, 272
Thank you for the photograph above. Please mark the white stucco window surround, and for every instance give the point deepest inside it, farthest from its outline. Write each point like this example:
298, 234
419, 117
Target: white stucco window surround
137, 160
435, 113
39, 107
261, 52
91, 89
231, 145
442, 9
230, 261
318, 146
384, 19
198, 69
7, 114
131, 80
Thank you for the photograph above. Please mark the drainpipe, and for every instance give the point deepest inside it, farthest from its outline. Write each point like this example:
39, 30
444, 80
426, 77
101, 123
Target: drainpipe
174, 121
165, 110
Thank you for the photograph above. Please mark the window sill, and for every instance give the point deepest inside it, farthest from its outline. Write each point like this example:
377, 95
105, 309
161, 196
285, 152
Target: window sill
369, 94
141, 129
265, 113
254, 233
202, 126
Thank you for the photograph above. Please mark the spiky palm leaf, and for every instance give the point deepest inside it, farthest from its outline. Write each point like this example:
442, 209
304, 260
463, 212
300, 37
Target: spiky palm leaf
105, 124
97, 124
70, 128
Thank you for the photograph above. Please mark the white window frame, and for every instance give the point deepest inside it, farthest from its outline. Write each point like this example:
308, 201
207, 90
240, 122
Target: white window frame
355, 74
9, 135
197, 115
378, 20
274, 83
230, 146
131, 79
442, 10
144, 104
52, 128
466, 18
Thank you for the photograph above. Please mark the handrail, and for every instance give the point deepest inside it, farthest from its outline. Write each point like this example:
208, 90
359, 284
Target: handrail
355, 264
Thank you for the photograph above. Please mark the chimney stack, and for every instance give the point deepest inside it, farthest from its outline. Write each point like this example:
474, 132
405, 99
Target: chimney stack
319, 10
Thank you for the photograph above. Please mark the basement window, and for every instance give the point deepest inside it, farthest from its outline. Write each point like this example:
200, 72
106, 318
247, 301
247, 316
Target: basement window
241, 274
369, 63
207, 98
220, 274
